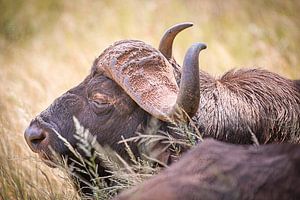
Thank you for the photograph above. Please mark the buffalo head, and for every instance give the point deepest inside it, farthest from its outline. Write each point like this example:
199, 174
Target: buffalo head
129, 83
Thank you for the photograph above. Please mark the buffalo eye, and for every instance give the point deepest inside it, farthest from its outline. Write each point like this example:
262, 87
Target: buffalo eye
100, 103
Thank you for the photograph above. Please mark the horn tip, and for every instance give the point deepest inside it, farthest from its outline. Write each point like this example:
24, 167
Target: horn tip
165, 45
188, 24
200, 46
184, 25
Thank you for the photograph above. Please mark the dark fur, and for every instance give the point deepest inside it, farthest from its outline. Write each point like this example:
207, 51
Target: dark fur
216, 170
245, 101
242, 100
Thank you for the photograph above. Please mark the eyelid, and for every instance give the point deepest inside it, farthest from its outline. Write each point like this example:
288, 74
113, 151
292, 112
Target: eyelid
101, 97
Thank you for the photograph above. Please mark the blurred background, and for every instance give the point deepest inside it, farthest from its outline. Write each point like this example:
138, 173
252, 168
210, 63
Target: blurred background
47, 47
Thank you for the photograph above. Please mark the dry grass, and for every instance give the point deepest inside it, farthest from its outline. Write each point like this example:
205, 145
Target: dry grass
46, 47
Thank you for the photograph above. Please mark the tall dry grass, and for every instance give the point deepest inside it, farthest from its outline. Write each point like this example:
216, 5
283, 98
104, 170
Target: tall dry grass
46, 47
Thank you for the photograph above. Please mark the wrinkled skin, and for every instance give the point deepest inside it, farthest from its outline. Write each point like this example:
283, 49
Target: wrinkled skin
216, 170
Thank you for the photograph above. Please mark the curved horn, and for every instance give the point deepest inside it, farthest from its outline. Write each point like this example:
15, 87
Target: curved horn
166, 43
189, 93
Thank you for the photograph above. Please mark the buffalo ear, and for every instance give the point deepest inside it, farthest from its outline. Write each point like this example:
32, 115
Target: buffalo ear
143, 73
147, 77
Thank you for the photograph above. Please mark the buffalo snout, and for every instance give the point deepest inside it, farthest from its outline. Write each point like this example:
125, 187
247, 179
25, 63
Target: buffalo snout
35, 136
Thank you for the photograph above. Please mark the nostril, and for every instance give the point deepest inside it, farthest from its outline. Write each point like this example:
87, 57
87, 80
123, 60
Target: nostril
34, 136
38, 140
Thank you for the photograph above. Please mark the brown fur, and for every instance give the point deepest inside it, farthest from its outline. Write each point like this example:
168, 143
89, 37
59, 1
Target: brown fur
216, 170
244, 101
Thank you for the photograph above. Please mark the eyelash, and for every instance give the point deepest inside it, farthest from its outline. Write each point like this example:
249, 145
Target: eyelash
100, 103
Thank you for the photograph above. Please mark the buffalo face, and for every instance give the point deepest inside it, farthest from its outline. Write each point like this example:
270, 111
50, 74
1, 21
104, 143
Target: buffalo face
98, 103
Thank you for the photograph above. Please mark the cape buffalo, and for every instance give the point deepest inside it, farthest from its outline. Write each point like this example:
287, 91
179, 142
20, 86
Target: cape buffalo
131, 83
217, 170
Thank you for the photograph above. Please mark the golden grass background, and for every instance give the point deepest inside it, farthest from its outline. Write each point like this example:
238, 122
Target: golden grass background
47, 47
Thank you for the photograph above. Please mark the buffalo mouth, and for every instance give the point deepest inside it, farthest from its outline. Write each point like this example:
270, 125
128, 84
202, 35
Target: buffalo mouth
50, 162
53, 158
42, 139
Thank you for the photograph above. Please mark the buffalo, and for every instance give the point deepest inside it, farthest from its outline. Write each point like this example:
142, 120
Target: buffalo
132, 83
218, 170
